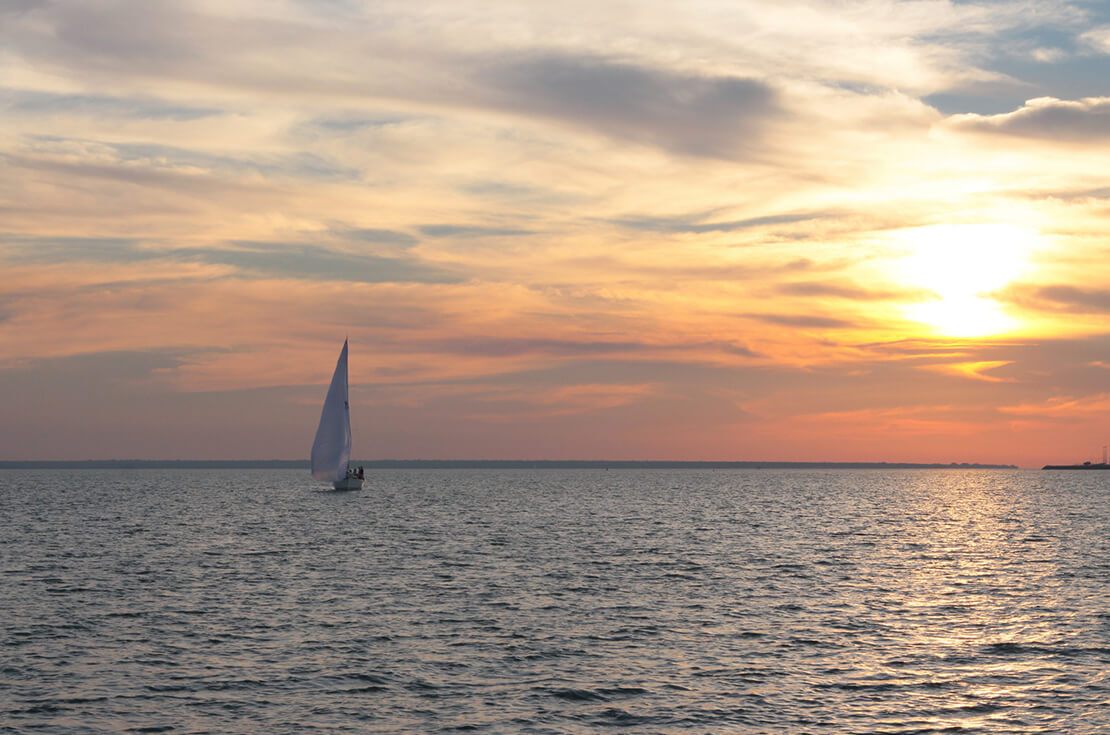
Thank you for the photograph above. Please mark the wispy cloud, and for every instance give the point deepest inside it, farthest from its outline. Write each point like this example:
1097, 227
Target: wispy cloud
378, 236
1097, 39
513, 404
16, 7
272, 259
846, 290
465, 231
1060, 297
508, 347
42, 104
982, 370
165, 165
699, 226
808, 321
67, 249
1063, 407
294, 260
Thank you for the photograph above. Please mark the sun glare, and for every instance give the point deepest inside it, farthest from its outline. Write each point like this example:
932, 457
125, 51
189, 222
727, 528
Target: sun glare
962, 265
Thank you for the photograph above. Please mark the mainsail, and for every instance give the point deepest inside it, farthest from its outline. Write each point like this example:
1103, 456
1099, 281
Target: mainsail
332, 448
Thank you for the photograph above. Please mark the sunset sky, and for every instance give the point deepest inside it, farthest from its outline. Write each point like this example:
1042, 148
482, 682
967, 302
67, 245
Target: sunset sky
735, 230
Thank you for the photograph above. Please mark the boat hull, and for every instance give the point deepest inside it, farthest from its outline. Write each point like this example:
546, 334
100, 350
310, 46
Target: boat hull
349, 483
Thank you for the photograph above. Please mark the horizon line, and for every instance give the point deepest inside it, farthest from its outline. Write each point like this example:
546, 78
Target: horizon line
487, 463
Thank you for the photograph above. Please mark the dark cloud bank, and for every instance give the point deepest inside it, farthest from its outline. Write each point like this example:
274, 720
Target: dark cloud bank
718, 116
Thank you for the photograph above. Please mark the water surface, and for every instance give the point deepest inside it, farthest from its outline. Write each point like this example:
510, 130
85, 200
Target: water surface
555, 601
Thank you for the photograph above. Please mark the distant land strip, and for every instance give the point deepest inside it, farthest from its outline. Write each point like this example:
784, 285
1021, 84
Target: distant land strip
478, 464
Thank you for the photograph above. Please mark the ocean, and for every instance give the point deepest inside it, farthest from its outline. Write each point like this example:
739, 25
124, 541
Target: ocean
555, 601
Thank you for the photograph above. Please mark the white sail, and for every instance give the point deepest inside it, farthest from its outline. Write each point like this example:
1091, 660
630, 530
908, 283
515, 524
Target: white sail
332, 448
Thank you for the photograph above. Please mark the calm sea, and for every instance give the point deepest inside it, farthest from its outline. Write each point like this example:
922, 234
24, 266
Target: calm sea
555, 601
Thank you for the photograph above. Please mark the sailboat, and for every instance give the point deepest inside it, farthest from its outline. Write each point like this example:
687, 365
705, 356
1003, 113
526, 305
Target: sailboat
331, 450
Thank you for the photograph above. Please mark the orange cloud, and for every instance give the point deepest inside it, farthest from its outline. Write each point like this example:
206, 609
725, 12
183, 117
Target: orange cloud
974, 370
1063, 407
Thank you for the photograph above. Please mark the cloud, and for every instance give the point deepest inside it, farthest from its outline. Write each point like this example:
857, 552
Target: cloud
693, 114
982, 370
1063, 407
1032, 366
844, 290
350, 123
1059, 297
41, 104
154, 34
17, 7
513, 347
1085, 120
693, 225
116, 404
1097, 39
168, 166
803, 320
103, 376
1087, 300
1048, 55
69, 168
514, 404
1068, 194
294, 260
378, 236
280, 259
68, 249
297, 163
472, 231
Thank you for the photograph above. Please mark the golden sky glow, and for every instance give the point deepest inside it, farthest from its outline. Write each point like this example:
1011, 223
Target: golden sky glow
801, 230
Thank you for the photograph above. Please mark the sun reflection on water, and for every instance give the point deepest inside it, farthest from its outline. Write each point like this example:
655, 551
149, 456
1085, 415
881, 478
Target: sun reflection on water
968, 563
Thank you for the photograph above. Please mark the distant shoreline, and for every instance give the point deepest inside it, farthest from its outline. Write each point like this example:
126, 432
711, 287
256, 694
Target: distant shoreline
1086, 466
481, 464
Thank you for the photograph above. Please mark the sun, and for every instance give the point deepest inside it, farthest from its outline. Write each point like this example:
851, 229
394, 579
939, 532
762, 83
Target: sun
961, 266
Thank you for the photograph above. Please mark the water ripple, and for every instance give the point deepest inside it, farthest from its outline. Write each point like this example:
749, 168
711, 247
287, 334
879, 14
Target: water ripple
556, 602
